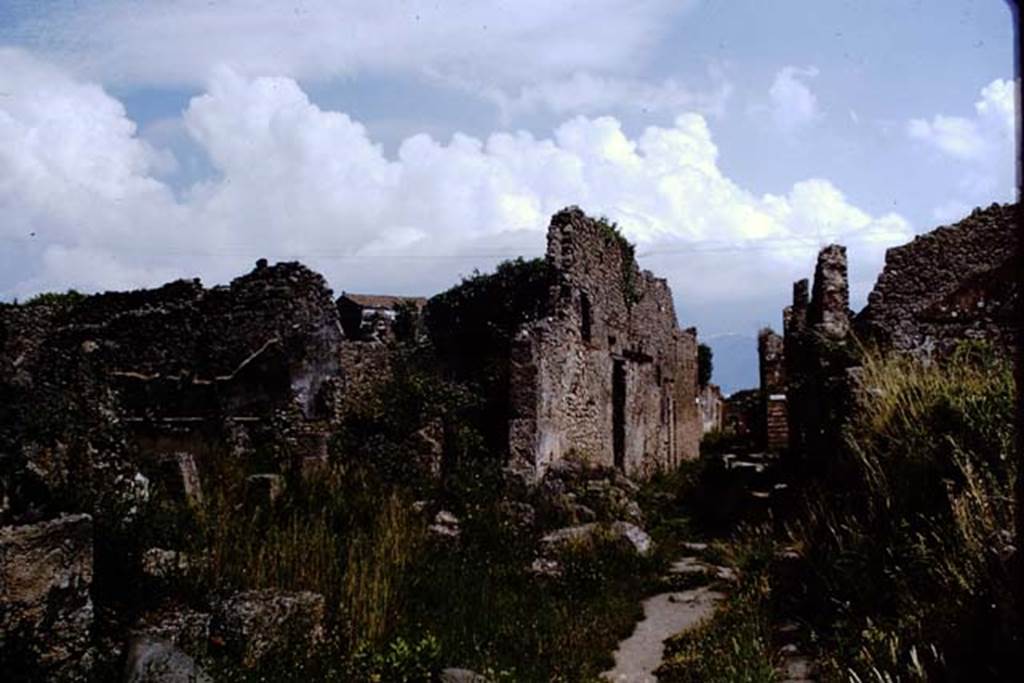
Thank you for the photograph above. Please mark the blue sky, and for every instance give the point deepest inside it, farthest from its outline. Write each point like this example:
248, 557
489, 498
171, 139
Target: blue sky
395, 146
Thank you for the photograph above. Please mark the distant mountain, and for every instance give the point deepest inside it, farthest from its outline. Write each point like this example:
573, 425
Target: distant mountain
734, 361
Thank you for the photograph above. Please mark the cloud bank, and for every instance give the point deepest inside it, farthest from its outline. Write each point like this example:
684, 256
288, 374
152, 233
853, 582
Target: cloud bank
81, 204
981, 145
483, 41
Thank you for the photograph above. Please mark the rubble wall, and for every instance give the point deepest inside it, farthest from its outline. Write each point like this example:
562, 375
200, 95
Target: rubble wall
956, 282
96, 387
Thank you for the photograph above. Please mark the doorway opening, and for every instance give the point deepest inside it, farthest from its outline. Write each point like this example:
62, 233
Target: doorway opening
619, 413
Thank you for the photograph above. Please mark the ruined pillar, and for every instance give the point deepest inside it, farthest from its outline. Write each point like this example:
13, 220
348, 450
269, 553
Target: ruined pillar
829, 311
773, 389
795, 361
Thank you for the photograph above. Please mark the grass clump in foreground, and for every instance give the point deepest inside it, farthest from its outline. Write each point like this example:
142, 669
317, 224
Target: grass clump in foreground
735, 643
907, 542
401, 606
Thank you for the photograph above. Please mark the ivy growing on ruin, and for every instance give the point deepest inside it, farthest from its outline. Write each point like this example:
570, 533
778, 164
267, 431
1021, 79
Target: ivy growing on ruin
473, 324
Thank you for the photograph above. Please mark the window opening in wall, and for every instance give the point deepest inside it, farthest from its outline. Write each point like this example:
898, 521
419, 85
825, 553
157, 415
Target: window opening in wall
619, 413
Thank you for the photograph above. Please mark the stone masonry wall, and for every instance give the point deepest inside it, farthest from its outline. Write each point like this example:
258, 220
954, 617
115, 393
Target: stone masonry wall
794, 341
956, 282
611, 353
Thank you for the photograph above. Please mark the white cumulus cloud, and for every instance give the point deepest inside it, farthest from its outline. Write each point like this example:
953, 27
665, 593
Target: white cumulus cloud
793, 104
81, 203
493, 41
584, 92
982, 144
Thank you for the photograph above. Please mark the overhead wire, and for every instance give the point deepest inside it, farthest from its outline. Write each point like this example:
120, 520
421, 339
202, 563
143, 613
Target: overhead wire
782, 243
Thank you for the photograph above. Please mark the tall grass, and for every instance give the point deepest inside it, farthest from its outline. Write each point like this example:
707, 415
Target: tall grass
298, 542
400, 605
907, 539
375, 576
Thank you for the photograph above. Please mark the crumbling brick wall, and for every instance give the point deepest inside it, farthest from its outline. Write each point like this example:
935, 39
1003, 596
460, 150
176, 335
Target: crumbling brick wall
956, 282
608, 375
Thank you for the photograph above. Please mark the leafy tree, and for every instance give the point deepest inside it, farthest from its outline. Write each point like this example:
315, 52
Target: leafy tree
704, 364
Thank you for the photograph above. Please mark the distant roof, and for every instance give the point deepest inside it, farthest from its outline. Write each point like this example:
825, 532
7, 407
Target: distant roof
382, 300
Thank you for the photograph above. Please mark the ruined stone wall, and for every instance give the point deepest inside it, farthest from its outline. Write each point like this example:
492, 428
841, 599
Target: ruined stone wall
711, 407
271, 336
795, 353
771, 362
956, 282
817, 351
363, 366
127, 378
742, 414
686, 428
953, 284
829, 310
608, 375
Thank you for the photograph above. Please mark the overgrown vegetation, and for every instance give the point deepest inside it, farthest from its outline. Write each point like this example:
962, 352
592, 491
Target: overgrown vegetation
735, 643
401, 603
60, 299
705, 366
903, 539
474, 324
907, 540
492, 613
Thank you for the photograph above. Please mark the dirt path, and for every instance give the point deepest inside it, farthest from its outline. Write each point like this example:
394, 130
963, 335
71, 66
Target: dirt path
665, 615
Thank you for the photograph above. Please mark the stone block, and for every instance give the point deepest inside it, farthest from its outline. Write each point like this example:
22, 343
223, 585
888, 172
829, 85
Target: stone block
255, 624
152, 660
